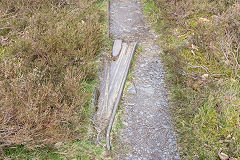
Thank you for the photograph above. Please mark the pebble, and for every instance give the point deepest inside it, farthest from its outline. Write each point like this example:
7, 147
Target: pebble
148, 90
132, 90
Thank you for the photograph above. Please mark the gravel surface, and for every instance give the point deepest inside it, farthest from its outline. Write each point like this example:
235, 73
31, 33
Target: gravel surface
148, 130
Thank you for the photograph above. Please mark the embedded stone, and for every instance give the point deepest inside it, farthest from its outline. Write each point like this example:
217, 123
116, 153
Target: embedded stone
116, 48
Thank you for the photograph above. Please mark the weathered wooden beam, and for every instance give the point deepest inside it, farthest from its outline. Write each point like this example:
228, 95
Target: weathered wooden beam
127, 63
109, 92
114, 79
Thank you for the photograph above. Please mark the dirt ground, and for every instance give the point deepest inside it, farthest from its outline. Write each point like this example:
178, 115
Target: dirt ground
148, 130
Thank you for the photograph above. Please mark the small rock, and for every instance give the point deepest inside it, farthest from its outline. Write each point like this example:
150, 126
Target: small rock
151, 73
116, 48
132, 90
148, 90
125, 123
121, 138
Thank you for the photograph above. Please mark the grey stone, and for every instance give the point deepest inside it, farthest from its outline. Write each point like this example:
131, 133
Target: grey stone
116, 48
148, 90
132, 90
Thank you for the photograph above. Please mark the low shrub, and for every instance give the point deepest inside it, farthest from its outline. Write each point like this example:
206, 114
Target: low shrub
48, 51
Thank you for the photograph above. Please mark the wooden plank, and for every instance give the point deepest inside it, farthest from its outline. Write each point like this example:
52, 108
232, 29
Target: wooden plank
106, 98
101, 109
115, 77
127, 63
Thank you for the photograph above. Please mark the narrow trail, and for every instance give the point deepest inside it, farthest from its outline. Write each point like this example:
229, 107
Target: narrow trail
148, 131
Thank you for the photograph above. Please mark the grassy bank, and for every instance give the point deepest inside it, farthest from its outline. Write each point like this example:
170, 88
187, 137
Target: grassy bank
48, 70
201, 43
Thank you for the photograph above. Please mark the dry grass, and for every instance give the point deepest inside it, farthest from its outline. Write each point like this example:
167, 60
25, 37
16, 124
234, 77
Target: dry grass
201, 44
48, 50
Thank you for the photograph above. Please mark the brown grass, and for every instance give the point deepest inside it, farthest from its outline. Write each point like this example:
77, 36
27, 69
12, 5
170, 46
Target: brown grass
48, 50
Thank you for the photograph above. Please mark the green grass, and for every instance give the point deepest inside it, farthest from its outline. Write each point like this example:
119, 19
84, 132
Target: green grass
21, 152
206, 111
118, 147
80, 149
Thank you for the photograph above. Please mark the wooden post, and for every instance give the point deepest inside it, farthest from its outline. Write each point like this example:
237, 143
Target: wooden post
108, 18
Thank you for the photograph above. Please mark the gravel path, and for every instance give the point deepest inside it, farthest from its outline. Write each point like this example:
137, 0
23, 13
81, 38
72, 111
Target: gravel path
148, 130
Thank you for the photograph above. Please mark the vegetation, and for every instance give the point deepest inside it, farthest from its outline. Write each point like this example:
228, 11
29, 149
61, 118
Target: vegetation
201, 44
48, 68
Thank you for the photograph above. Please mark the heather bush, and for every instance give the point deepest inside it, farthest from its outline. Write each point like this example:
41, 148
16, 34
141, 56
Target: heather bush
48, 51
